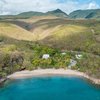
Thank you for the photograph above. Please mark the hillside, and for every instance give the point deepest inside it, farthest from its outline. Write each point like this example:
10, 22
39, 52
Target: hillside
85, 14
68, 34
26, 40
56, 32
14, 31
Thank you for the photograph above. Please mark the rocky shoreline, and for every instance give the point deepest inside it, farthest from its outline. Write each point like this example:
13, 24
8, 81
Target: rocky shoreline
2, 80
93, 80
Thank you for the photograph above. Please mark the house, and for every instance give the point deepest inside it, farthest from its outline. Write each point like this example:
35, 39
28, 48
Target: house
72, 63
46, 56
79, 56
63, 53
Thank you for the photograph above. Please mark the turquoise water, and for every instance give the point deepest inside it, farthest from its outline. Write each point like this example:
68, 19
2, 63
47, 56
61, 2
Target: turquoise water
49, 88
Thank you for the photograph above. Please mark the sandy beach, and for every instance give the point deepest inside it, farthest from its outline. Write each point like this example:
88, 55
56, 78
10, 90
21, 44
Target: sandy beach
41, 72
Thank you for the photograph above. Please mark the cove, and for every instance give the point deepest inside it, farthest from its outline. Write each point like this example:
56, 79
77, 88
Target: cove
49, 88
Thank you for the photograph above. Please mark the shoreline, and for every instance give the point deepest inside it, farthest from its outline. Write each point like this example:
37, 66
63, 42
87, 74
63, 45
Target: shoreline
2, 80
43, 72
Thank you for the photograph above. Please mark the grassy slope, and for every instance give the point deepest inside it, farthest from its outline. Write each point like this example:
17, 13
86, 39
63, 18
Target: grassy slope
14, 31
62, 34
56, 32
54, 26
37, 18
68, 34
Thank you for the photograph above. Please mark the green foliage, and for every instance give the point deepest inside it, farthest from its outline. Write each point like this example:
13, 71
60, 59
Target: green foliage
10, 62
9, 48
56, 60
40, 50
90, 64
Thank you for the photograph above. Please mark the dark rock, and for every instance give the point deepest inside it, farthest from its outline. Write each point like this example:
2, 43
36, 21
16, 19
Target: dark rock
2, 80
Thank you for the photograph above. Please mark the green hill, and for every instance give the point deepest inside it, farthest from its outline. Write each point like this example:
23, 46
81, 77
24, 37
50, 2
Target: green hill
25, 15
29, 14
57, 12
85, 14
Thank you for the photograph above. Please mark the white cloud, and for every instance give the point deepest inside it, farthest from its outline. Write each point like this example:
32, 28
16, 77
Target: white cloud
93, 5
18, 6
5, 13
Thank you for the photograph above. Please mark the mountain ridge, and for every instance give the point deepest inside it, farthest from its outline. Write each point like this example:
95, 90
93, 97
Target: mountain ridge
29, 14
86, 14
77, 14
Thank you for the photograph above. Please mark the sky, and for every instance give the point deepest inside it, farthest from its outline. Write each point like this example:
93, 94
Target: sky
8, 7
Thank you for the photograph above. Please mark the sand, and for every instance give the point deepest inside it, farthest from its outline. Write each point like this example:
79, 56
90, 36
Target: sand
42, 72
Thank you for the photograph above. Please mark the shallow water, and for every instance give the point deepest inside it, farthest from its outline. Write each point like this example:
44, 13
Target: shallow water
49, 88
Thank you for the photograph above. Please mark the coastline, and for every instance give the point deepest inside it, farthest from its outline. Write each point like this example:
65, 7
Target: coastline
43, 72
2, 80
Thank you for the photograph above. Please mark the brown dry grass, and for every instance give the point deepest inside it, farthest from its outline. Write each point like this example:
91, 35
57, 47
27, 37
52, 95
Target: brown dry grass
16, 32
37, 18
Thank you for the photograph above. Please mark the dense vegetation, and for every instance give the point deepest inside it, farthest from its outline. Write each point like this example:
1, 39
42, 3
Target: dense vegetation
19, 55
